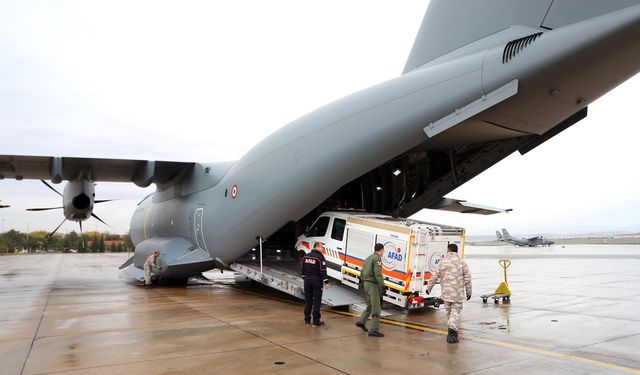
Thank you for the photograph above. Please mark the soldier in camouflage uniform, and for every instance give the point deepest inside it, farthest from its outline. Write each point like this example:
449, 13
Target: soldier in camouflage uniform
148, 264
455, 279
373, 291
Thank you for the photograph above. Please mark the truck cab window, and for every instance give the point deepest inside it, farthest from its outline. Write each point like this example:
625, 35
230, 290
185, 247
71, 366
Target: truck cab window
337, 232
319, 228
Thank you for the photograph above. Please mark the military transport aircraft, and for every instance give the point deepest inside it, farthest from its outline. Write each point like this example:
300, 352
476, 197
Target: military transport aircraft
531, 241
484, 79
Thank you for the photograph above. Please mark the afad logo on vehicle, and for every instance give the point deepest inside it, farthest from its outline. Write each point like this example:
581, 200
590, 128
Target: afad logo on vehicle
392, 256
434, 260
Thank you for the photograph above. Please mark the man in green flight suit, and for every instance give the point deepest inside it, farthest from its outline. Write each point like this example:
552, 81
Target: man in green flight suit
373, 291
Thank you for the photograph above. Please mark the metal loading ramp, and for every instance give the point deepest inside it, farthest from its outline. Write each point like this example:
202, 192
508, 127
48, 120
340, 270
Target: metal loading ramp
283, 276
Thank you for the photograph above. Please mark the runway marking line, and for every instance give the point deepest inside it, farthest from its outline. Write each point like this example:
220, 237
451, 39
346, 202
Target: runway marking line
503, 344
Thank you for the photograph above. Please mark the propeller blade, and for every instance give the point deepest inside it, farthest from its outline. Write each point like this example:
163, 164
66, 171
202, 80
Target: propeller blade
100, 220
43, 208
58, 227
51, 187
103, 200
81, 234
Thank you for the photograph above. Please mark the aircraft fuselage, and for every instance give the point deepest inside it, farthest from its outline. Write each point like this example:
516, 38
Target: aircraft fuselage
293, 170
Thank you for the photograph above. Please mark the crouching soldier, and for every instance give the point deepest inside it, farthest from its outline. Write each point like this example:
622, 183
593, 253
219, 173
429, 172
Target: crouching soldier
455, 281
151, 262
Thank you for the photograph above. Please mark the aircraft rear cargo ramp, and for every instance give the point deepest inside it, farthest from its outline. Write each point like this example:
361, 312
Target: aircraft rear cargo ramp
283, 276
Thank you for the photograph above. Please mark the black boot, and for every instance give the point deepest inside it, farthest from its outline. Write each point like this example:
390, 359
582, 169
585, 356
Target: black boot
452, 337
362, 326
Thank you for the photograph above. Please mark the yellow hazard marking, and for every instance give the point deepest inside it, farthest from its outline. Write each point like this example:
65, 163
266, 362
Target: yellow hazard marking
408, 272
523, 348
387, 284
146, 216
349, 270
555, 354
396, 323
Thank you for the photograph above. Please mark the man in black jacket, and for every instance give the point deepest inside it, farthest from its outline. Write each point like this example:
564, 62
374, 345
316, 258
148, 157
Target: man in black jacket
314, 273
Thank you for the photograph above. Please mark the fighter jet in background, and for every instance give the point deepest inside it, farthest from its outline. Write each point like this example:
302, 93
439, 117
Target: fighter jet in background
531, 241
484, 79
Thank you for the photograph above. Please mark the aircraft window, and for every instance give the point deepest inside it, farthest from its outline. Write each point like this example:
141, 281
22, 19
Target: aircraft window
337, 232
319, 228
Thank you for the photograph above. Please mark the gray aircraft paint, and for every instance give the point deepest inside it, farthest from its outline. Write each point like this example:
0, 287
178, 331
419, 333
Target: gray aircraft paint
225, 207
372, 126
441, 32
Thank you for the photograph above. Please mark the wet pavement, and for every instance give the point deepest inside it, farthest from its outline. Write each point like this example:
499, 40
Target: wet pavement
575, 310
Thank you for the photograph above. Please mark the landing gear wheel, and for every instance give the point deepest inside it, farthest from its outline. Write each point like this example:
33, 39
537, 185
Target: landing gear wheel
496, 301
484, 300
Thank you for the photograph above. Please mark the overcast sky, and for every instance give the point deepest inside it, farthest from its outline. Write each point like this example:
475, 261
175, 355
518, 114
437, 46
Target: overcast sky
205, 81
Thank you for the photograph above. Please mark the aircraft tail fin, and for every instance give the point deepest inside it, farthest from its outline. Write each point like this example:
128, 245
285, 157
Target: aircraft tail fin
442, 32
498, 236
505, 234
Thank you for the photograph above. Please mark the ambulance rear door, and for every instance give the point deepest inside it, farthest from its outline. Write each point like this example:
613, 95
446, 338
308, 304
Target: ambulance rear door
419, 259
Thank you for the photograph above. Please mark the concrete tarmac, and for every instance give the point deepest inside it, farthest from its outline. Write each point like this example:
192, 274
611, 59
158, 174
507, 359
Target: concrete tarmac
575, 310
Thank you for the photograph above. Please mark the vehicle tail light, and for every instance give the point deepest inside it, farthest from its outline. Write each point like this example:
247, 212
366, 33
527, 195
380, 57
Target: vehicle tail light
416, 300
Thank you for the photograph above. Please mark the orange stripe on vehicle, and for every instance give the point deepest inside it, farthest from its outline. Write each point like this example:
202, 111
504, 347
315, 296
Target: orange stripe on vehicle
355, 261
396, 274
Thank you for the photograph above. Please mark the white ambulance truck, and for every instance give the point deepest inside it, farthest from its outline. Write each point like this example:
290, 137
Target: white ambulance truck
412, 251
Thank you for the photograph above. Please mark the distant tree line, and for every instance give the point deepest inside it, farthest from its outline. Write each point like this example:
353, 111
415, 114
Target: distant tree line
94, 242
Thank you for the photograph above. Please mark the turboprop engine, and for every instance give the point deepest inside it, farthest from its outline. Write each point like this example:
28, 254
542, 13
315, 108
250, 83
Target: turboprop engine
78, 198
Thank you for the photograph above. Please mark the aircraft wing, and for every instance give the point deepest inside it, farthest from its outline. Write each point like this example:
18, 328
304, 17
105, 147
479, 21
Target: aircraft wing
56, 169
457, 205
4, 205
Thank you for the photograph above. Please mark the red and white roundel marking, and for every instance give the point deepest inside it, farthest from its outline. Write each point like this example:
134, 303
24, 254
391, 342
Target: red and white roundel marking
234, 191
